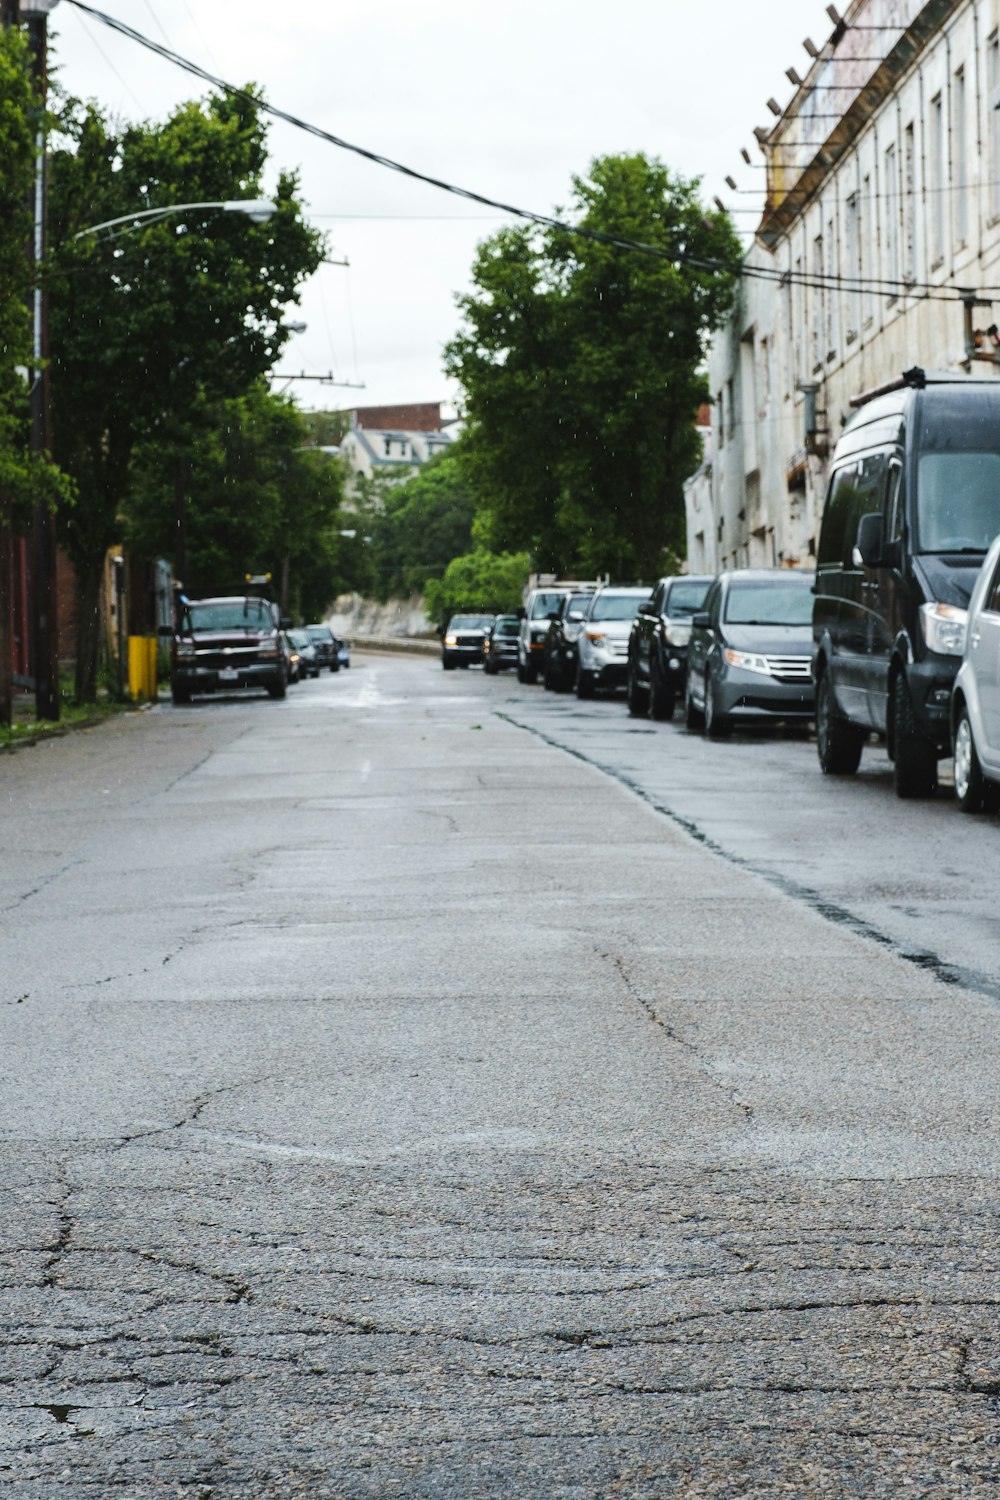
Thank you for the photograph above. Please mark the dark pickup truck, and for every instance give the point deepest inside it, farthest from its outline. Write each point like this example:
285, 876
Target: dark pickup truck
227, 643
658, 645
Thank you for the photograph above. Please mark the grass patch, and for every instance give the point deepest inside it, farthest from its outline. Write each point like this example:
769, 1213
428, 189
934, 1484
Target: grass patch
27, 730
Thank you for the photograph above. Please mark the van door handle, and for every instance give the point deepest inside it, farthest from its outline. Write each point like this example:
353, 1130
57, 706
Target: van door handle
974, 637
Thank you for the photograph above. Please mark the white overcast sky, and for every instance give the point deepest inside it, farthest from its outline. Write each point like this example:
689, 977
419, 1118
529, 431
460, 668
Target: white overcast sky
510, 100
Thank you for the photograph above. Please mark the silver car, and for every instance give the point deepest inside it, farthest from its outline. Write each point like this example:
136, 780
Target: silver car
602, 645
975, 698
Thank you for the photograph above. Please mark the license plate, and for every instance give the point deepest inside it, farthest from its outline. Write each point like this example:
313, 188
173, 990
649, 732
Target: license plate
228, 674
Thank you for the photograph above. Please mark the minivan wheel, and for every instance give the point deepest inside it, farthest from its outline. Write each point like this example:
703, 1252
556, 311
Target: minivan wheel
636, 697
662, 699
838, 743
970, 787
915, 771
693, 717
718, 726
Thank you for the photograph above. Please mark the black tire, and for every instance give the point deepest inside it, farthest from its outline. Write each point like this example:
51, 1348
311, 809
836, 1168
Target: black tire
915, 757
838, 742
970, 784
584, 684
447, 663
662, 698
278, 689
718, 726
180, 696
490, 667
530, 674
693, 716
636, 696
335, 666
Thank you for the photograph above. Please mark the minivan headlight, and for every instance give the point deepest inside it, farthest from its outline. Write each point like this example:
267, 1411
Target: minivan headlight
748, 661
677, 633
944, 628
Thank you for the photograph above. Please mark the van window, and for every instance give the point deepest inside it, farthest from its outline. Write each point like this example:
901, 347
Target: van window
894, 505
845, 503
958, 501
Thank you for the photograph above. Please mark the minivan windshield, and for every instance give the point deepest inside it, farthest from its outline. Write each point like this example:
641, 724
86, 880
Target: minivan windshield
770, 601
958, 501
686, 598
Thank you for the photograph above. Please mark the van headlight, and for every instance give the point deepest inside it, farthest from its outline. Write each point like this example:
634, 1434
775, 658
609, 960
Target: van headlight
944, 628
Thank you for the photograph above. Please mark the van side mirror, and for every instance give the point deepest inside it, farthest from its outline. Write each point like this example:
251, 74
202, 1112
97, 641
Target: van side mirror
868, 550
702, 620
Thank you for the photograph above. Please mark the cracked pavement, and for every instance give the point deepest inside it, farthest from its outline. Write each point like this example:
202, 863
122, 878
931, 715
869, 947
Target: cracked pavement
393, 1104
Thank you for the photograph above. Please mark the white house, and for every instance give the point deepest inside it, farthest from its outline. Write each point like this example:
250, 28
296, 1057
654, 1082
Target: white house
882, 221
395, 440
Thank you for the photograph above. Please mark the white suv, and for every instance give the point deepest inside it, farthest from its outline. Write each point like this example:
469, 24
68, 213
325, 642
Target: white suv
602, 645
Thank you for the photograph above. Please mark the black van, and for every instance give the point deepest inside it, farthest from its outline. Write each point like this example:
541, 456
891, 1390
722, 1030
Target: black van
912, 505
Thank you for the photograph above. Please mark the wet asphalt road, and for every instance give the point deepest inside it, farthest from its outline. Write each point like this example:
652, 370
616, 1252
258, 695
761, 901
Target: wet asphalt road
392, 1103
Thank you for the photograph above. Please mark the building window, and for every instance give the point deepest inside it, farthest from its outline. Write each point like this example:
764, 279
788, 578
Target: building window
993, 106
819, 304
867, 260
831, 282
731, 406
937, 149
852, 268
722, 418
960, 157
909, 204
894, 269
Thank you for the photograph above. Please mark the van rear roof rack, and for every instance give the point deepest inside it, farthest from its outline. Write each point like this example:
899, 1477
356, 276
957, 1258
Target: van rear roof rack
915, 379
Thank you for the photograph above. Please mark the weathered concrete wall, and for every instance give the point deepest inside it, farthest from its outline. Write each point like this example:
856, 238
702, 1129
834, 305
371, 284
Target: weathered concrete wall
356, 618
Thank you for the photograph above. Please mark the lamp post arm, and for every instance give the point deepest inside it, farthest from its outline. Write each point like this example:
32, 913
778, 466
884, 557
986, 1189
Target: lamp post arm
257, 209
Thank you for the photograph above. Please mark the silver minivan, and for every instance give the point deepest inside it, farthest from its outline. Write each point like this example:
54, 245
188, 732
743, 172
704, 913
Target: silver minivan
975, 699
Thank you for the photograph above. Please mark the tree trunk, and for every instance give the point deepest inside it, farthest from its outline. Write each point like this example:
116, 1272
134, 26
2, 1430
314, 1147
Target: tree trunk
88, 630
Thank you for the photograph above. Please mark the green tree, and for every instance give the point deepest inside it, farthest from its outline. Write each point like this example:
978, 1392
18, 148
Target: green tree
481, 580
417, 525
144, 323
25, 478
259, 501
581, 362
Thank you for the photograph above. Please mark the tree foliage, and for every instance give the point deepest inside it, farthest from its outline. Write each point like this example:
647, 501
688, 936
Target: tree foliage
256, 501
581, 364
147, 322
418, 525
481, 580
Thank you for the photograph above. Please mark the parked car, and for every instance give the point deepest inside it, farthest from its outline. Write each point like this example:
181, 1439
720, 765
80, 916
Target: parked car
226, 643
912, 505
343, 654
325, 644
500, 646
309, 664
559, 656
602, 645
462, 642
658, 645
750, 652
292, 657
538, 605
975, 700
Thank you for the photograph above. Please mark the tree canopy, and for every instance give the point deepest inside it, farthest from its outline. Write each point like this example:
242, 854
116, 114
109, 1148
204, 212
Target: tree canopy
581, 363
149, 321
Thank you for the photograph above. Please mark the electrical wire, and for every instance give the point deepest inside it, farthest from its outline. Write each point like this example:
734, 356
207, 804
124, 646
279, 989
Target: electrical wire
678, 257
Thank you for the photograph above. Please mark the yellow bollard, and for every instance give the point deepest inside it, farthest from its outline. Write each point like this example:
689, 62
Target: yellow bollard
142, 668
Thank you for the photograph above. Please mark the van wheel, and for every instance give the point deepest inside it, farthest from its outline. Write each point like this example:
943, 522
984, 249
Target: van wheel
838, 743
636, 697
970, 788
915, 771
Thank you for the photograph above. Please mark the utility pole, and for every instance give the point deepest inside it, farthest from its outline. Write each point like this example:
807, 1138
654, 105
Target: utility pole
9, 16
45, 620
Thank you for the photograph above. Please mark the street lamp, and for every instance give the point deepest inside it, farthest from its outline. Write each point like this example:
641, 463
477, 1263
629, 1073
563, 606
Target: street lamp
258, 210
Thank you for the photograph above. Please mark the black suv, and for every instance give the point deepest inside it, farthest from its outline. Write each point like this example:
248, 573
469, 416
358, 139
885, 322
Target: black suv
462, 642
500, 646
559, 657
227, 643
325, 645
658, 645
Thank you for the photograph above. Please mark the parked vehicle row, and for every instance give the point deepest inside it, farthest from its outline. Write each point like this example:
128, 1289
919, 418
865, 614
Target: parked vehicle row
239, 642
895, 636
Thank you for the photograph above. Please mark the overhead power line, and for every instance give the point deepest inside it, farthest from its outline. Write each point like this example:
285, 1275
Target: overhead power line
581, 231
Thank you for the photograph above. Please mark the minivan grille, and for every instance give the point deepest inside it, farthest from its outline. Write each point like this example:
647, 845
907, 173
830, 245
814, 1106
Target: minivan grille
789, 668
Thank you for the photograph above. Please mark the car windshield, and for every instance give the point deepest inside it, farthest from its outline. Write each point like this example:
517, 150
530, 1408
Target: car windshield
229, 614
544, 604
299, 638
770, 601
616, 606
686, 598
510, 626
958, 501
319, 632
470, 622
